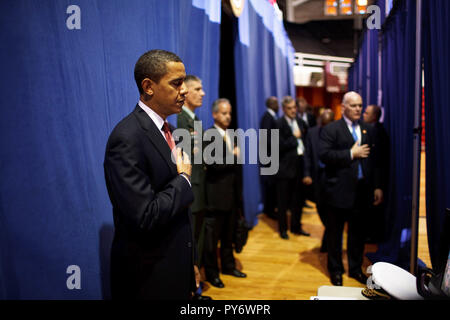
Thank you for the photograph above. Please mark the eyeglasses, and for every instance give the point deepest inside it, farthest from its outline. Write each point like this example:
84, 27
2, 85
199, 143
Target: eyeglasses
355, 105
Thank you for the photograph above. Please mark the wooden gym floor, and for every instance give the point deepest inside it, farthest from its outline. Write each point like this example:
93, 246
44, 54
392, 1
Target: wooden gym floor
293, 269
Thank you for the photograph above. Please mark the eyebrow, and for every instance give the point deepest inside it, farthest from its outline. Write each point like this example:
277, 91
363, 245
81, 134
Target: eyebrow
178, 79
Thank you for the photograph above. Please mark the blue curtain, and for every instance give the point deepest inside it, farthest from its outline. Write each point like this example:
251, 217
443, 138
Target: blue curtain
436, 46
62, 91
363, 74
264, 59
398, 68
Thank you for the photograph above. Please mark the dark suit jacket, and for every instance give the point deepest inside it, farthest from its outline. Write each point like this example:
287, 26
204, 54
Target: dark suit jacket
311, 159
152, 251
269, 123
223, 183
383, 143
311, 120
185, 121
341, 172
288, 149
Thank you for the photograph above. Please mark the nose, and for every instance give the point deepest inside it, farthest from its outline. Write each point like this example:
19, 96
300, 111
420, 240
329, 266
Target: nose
184, 89
202, 93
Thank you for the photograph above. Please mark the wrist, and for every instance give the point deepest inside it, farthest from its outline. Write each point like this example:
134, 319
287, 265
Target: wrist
188, 176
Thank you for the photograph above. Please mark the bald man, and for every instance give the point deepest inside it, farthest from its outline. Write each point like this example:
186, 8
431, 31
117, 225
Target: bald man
352, 182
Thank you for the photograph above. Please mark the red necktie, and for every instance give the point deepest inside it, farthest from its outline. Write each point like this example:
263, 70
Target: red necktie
168, 135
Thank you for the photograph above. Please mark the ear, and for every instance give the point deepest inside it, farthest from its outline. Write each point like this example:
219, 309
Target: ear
147, 86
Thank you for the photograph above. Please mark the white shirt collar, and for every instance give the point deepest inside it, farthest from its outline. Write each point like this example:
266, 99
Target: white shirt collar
272, 112
221, 131
156, 118
289, 120
189, 112
350, 127
349, 122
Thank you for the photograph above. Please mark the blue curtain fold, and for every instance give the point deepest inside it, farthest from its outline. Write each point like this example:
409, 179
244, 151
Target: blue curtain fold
436, 51
363, 74
264, 59
61, 93
398, 74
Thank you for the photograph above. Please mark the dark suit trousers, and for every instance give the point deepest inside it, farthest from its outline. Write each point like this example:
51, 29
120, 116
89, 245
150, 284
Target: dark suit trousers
198, 221
290, 195
219, 225
356, 218
321, 205
268, 190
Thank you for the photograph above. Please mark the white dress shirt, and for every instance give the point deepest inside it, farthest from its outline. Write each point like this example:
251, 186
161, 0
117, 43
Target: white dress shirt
294, 126
272, 113
227, 140
156, 118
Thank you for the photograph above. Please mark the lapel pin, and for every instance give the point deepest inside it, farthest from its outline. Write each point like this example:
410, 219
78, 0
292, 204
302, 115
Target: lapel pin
364, 131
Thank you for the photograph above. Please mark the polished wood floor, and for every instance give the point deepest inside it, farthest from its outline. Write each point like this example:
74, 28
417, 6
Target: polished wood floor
291, 269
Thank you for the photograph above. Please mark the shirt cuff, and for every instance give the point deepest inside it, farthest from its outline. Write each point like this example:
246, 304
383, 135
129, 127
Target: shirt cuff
187, 179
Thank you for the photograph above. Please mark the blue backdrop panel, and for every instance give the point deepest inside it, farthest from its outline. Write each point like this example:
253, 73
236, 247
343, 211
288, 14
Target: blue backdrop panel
363, 74
61, 93
398, 70
436, 46
264, 59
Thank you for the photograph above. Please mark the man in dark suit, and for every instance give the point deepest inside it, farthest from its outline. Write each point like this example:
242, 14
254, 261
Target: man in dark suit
223, 188
352, 181
289, 176
269, 123
305, 114
314, 169
302, 109
185, 120
152, 254
372, 116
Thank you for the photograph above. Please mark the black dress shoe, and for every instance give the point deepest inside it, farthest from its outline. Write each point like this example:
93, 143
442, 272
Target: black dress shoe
336, 279
235, 273
359, 276
200, 297
284, 235
301, 233
216, 282
272, 215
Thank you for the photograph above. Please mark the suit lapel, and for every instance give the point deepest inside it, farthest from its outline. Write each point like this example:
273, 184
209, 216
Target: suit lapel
346, 131
190, 121
155, 136
363, 133
286, 127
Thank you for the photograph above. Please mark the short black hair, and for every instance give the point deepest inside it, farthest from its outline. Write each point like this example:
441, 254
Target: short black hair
153, 65
271, 102
376, 111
